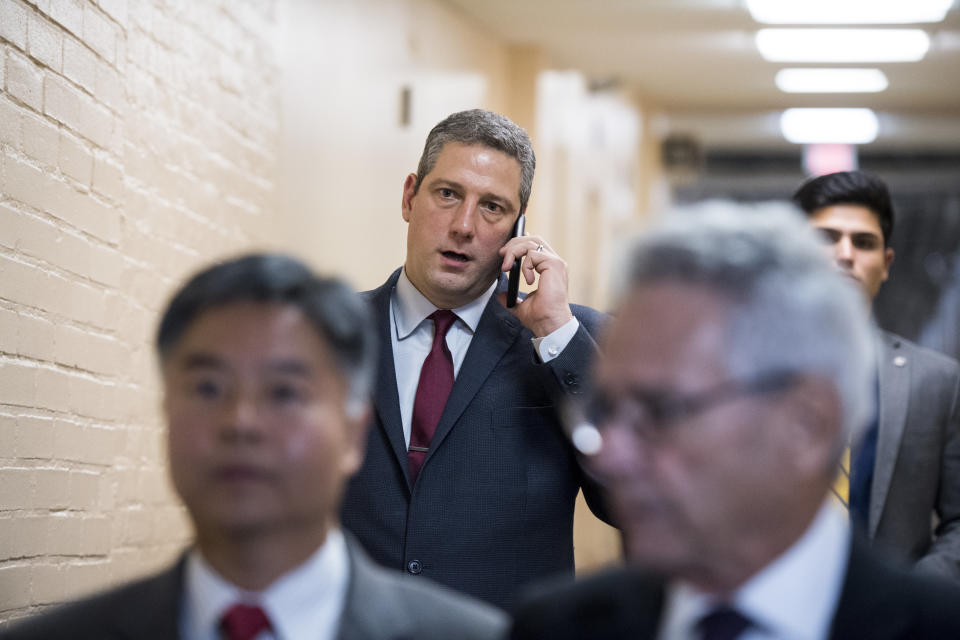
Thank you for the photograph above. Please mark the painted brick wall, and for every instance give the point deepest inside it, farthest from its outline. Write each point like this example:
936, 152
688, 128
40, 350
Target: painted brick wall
138, 140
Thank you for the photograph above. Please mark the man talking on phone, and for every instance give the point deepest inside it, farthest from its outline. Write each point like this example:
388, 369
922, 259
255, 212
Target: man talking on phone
469, 479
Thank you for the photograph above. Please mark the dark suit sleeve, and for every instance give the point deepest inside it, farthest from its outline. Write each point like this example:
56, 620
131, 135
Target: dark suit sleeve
146, 609
572, 372
610, 605
944, 555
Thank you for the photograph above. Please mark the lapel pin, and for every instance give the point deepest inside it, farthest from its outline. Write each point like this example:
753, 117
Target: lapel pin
899, 361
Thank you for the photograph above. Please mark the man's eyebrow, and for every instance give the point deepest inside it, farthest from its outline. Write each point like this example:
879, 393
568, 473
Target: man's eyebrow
497, 198
202, 360
207, 360
445, 182
291, 366
855, 234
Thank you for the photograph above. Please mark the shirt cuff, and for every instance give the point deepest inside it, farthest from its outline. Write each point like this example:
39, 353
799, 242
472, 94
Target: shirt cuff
550, 346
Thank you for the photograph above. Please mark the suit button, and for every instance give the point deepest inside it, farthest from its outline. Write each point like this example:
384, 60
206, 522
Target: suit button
414, 567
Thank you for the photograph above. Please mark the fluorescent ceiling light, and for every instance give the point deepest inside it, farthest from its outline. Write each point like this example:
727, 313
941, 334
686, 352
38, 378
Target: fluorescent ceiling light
848, 11
842, 45
831, 80
829, 126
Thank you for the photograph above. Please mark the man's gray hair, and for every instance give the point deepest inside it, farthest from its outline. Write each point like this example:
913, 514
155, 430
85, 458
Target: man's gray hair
791, 309
478, 126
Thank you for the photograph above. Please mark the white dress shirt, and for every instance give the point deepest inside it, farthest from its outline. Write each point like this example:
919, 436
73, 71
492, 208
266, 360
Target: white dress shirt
304, 603
793, 598
412, 339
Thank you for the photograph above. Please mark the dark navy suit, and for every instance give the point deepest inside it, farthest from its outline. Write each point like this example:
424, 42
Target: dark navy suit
492, 508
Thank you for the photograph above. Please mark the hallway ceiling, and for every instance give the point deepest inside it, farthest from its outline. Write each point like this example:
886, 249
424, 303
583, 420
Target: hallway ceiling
696, 60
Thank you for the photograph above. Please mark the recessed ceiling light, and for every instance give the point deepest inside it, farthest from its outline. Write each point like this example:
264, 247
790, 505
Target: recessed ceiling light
829, 126
831, 80
848, 11
842, 45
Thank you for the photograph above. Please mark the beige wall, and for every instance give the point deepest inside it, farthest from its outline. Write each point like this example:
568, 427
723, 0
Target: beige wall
346, 151
141, 139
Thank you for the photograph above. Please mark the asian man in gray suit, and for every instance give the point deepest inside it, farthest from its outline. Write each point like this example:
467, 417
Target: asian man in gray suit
905, 473
266, 371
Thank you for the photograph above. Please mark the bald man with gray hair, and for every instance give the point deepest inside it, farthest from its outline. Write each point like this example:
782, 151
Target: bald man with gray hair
737, 369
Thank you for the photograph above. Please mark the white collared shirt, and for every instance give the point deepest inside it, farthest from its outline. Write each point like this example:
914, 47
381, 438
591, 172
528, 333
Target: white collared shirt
306, 602
412, 338
793, 598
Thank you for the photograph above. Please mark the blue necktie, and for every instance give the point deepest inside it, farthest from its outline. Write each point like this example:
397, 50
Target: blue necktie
722, 623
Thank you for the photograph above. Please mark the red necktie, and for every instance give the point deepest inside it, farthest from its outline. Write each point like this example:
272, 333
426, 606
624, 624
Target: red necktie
436, 380
243, 622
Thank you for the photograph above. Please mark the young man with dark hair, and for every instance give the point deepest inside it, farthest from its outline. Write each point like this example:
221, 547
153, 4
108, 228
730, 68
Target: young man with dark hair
905, 473
266, 372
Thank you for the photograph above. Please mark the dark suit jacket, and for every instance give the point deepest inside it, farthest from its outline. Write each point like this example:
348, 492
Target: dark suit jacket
917, 469
877, 602
492, 508
380, 604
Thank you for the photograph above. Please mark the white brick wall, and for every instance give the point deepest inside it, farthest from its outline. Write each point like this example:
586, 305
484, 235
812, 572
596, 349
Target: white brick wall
138, 140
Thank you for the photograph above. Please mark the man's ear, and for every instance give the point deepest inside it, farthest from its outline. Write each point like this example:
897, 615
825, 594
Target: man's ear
409, 190
816, 419
888, 257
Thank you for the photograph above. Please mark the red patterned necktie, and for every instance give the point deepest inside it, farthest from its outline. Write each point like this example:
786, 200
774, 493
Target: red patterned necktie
436, 380
243, 622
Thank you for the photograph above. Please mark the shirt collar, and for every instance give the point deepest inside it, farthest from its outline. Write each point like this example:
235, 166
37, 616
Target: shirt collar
410, 307
290, 600
208, 596
796, 595
286, 602
798, 592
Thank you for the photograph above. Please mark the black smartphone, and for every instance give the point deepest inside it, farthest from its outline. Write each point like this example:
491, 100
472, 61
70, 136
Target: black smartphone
513, 281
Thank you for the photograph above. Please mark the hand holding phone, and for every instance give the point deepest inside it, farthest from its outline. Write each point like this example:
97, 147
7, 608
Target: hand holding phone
513, 281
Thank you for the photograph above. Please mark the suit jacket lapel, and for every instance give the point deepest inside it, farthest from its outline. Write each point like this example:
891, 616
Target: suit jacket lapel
894, 383
496, 332
386, 400
361, 620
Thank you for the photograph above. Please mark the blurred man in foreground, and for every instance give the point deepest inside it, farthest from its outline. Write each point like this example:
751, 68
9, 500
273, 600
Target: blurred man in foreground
266, 372
737, 369
904, 475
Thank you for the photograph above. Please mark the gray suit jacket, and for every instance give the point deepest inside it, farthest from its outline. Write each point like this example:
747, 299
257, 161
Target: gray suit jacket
380, 604
917, 468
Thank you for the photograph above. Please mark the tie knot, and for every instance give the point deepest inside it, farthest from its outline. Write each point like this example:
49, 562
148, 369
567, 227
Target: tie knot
243, 622
443, 319
722, 623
